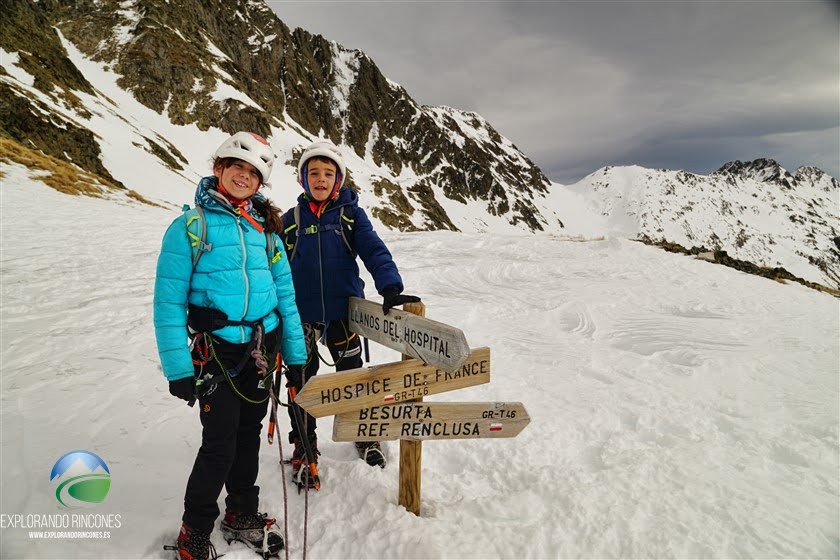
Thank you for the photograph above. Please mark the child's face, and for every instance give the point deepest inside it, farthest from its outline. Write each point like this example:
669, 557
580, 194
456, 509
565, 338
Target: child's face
241, 180
321, 178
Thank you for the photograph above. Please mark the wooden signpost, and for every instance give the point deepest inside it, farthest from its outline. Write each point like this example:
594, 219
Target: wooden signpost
423, 420
411, 452
396, 382
415, 336
385, 402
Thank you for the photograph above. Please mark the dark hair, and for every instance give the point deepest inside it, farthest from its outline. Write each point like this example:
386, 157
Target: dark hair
272, 214
324, 159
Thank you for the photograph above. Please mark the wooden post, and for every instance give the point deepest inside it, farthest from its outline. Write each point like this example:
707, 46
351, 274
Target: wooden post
411, 451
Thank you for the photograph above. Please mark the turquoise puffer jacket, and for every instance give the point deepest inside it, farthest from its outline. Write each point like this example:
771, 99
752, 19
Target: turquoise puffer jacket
233, 276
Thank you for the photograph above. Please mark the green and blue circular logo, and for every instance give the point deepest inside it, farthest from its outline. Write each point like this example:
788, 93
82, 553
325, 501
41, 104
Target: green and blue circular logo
80, 479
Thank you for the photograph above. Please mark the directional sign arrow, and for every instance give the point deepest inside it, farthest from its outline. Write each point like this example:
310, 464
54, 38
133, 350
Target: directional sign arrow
429, 341
350, 390
424, 420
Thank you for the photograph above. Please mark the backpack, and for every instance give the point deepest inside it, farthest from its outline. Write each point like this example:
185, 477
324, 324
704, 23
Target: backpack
197, 233
345, 228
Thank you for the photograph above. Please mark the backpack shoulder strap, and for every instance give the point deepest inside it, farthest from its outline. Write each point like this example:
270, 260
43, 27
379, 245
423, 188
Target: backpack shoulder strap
291, 234
196, 232
346, 228
271, 249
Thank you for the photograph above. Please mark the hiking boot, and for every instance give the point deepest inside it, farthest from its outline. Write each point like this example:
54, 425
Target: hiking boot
256, 530
194, 545
300, 465
371, 452
299, 455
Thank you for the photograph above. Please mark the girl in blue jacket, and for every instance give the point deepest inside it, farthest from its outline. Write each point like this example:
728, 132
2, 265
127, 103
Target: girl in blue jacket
238, 301
324, 234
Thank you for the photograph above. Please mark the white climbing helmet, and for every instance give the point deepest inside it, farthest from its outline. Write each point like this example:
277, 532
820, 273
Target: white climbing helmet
251, 148
323, 148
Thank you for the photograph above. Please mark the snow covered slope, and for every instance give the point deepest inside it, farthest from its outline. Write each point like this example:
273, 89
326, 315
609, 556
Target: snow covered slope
679, 409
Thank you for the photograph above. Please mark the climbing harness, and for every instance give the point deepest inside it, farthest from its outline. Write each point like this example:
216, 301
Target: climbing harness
204, 320
314, 332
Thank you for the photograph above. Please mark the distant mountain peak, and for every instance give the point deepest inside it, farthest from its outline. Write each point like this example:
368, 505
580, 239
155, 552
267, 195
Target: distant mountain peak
763, 170
815, 175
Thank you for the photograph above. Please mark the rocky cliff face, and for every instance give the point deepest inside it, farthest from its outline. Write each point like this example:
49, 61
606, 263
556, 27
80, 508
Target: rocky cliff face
233, 65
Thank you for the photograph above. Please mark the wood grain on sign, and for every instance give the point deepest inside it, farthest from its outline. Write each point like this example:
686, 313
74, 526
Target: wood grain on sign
425, 420
411, 452
395, 382
431, 342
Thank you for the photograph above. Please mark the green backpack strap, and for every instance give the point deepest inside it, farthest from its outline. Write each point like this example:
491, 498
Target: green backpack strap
271, 250
196, 232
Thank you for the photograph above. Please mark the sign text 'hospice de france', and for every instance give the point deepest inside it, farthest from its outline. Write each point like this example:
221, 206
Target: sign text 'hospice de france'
392, 383
423, 420
432, 342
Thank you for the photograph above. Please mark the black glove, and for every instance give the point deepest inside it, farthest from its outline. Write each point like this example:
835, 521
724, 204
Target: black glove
183, 389
391, 298
294, 377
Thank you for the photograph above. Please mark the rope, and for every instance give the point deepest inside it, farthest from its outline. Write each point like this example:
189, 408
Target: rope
256, 351
348, 335
305, 519
304, 470
275, 402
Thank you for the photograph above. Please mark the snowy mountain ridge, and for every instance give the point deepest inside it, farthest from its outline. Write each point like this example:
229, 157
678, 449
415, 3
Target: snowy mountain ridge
755, 211
139, 97
769, 171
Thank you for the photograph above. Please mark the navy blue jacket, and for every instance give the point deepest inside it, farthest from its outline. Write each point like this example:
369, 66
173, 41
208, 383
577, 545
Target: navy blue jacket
324, 270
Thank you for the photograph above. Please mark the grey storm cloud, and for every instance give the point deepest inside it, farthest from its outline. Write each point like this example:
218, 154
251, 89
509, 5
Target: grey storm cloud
581, 85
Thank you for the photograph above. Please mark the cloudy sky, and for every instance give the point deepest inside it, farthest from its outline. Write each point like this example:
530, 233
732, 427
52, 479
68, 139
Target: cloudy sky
580, 85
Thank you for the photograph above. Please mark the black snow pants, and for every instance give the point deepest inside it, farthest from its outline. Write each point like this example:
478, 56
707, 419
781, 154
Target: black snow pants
230, 439
346, 350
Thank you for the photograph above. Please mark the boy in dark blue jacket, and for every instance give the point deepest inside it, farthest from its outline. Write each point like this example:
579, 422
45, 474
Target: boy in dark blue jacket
323, 236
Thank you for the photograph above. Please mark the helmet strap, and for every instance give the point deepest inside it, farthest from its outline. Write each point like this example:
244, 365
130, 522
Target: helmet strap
304, 182
338, 180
